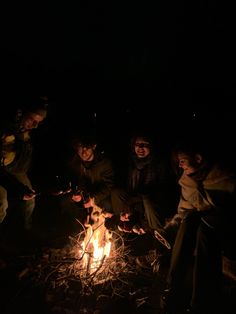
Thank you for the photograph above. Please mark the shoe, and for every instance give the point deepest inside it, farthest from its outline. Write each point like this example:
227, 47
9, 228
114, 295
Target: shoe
149, 261
164, 300
170, 303
142, 262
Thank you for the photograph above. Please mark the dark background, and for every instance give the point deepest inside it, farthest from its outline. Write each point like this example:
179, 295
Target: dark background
116, 52
115, 66
121, 65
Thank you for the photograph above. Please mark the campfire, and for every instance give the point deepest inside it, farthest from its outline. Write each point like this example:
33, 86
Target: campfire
93, 269
95, 250
95, 257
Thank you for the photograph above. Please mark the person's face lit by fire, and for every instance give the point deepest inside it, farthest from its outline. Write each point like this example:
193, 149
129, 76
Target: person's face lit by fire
86, 153
141, 147
31, 121
189, 164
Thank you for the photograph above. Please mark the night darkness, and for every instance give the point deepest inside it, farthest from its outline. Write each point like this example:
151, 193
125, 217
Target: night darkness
114, 67
165, 65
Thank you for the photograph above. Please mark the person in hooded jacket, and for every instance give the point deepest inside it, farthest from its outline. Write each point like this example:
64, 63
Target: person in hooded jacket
204, 225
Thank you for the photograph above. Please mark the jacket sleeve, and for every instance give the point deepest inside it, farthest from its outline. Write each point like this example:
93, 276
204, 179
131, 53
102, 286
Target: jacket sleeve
103, 188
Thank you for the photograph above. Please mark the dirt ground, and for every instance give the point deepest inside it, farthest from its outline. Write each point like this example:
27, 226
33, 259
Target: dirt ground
31, 280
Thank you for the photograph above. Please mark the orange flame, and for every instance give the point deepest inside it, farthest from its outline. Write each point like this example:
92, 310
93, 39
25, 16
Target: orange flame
96, 245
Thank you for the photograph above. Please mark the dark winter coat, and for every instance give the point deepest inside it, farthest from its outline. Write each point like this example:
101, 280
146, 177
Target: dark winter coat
95, 177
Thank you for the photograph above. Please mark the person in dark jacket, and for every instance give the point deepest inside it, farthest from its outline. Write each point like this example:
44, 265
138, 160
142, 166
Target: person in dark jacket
150, 181
90, 175
16, 157
204, 225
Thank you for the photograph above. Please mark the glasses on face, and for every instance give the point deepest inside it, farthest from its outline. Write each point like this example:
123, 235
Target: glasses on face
142, 145
84, 147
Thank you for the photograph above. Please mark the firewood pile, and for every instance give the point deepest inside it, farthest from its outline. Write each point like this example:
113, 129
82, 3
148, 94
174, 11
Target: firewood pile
68, 287
59, 267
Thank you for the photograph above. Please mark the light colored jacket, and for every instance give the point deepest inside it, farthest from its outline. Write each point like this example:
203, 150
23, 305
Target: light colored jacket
214, 195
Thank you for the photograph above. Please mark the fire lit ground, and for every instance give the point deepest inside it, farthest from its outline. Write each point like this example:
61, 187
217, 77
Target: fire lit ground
65, 267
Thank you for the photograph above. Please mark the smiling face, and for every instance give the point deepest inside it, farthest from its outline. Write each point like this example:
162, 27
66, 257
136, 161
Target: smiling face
86, 153
31, 121
141, 147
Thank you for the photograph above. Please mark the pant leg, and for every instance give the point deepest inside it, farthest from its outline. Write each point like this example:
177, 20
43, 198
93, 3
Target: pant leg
181, 261
119, 199
27, 213
207, 270
151, 214
25, 208
3, 203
